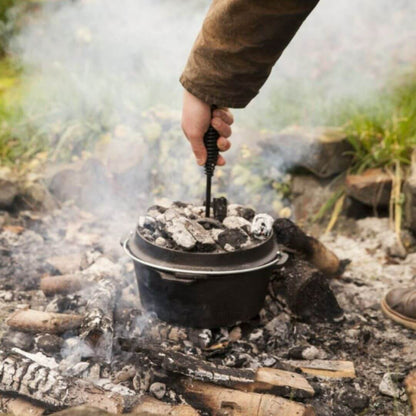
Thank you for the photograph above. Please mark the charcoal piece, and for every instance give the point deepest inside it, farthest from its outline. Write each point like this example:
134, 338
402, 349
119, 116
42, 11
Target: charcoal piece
354, 399
22, 340
233, 221
220, 208
49, 343
262, 226
156, 208
177, 230
240, 211
180, 204
210, 223
308, 293
233, 237
204, 241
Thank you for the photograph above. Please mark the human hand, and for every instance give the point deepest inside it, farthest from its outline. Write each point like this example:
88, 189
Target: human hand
196, 118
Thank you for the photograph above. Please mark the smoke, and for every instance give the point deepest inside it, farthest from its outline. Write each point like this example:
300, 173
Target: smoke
107, 63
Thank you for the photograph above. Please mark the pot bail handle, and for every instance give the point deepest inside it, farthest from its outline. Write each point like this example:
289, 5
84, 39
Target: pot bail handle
210, 141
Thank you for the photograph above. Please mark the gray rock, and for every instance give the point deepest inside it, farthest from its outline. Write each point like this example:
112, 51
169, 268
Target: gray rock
409, 190
8, 188
389, 386
18, 339
158, 390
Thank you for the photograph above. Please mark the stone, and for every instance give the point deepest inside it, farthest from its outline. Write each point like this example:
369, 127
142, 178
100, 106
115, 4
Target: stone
323, 151
409, 190
308, 194
37, 196
232, 237
354, 399
158, 390
389, 386
22, 340
49, 343
67, 264
8, 187
372, 187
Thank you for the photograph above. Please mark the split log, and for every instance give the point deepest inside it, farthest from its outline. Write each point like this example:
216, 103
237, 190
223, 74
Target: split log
22, 376
67, 283
20, 407
325, 368
97, 326
292, 237
216, 399
410, 383
30, 320
280, 383
150, 406
307, 291
177, 362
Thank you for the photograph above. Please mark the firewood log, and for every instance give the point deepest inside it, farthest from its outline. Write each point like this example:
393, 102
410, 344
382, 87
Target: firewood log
190, 366
278, 382
215, 399
325, 368
67, 283
97, 326
22, 376
290, 235
307, 291
30, 320
20, 407
410, 383
150, 406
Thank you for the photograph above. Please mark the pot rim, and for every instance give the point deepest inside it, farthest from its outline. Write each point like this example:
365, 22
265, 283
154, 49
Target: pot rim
279, 259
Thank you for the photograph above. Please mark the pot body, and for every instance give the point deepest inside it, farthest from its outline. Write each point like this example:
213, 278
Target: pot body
208, 302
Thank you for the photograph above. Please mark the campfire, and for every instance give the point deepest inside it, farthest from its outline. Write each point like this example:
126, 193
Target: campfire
85, 339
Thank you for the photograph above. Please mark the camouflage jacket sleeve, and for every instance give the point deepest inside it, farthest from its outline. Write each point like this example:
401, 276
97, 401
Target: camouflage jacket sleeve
238, 45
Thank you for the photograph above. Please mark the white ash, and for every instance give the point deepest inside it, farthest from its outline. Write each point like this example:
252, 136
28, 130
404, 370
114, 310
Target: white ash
184, 227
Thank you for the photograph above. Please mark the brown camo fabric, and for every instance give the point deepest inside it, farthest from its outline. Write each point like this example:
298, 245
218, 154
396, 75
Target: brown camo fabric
238, 45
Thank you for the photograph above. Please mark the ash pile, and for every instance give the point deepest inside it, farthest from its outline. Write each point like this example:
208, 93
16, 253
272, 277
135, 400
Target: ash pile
75, 336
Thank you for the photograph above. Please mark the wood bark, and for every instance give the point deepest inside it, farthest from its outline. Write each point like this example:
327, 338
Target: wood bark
279, 382
67, 283
150, 406
30, 320
191, 366
291, 236
20, 407
410, 383
217, 399
22, 376
307, 291
325, 368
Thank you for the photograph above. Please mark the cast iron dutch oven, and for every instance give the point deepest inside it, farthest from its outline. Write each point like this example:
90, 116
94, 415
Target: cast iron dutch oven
202, 290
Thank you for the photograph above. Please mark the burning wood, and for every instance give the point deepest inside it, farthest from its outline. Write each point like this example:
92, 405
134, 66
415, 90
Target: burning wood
20, 407
326, 368
216, 399
30, 320
23, 376
153, 407
291, 236
307, 291
68, 283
